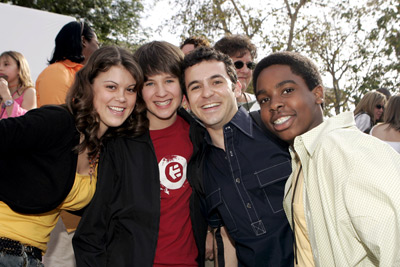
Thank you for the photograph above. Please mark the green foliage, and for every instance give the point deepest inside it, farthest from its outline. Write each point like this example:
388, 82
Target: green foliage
356, 43
114, 21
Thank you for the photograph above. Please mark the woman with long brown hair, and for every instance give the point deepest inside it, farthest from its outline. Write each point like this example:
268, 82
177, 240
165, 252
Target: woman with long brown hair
50, 154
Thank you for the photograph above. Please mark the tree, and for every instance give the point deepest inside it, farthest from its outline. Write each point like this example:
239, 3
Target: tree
114, 21
213, 18
387, 31
339, 35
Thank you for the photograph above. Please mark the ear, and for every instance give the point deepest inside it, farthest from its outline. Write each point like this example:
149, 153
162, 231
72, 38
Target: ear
83, 41
318, 92
237, 90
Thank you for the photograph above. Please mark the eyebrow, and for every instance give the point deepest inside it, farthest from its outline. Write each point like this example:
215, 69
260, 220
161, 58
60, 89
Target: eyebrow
262, 91
284, 82
209, 78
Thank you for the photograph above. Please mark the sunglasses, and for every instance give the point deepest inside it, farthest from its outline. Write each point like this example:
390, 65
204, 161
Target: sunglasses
239, 64
380, 106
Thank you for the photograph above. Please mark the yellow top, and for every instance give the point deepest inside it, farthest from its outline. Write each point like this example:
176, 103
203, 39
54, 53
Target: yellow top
34, 230
304, 251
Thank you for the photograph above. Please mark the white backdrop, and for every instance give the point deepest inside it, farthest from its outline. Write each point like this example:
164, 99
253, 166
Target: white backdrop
31, 32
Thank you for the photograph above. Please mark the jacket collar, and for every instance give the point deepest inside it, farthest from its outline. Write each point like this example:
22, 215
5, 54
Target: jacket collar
311, 138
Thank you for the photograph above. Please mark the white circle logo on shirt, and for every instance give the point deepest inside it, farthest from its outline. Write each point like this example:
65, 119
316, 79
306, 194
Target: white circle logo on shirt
173, 172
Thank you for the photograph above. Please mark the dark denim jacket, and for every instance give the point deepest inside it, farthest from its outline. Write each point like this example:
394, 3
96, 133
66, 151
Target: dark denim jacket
244, 187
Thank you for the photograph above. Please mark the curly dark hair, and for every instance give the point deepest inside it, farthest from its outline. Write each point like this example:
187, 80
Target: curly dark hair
204, 53
233, 45
299, 65
196, 41
79, 99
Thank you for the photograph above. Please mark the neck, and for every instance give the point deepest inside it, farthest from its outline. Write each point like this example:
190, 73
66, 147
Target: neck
242, 98
217, 137
13, 88
159, 124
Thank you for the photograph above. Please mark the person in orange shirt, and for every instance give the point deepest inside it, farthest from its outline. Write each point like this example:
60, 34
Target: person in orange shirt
75, 42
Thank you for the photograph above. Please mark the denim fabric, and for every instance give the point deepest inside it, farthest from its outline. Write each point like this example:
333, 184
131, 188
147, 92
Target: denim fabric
19, 261
244, 188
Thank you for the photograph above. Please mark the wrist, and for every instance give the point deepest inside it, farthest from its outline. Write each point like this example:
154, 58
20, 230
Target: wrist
7, 103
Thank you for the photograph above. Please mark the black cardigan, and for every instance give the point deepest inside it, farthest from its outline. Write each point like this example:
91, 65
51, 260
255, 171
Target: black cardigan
37, 162
120, 226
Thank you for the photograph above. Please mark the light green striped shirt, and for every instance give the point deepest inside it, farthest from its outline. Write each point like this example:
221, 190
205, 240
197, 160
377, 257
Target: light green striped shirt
351, 195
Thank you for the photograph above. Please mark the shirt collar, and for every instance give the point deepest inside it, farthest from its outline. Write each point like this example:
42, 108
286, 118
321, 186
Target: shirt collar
73, 65
310, 139
241, 120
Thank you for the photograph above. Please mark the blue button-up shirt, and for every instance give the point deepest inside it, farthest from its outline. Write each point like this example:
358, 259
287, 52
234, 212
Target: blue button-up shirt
244, 188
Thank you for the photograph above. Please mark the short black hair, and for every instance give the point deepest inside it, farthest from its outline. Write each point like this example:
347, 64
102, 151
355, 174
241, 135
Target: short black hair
69, 42
234, 44
204, 53
299, 65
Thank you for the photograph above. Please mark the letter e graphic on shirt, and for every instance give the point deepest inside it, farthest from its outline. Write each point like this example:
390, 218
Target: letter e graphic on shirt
172, 172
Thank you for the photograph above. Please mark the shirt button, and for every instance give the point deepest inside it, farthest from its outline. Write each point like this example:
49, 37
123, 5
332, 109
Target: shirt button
248, 205
231, 153
238, 180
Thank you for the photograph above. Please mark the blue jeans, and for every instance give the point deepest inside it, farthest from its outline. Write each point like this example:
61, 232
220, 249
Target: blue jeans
7, 260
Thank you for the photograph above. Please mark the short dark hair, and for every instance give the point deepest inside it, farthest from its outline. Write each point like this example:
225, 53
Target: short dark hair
234, 44
69, 42
204, 53
299, 65
159, 57
196, 41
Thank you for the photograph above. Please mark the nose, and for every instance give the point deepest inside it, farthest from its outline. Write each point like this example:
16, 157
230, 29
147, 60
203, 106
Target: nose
207, 91
276, 103
160, 91
120, 96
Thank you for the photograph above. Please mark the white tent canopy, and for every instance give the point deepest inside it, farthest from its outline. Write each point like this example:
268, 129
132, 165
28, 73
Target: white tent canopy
31, 32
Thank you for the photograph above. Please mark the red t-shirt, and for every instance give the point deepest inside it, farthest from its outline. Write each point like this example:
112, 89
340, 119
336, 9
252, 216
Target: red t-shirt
176, 245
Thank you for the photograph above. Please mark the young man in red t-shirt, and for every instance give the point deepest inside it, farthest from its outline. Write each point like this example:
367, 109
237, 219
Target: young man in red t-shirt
169, 133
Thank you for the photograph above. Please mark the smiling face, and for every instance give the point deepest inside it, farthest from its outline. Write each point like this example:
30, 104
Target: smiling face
288, 107
211, 94
244, 74
163, 96
9, 70
114, 97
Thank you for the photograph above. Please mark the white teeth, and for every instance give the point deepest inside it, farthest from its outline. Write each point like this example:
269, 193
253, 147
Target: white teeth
117, 109
211, 105
164, 103
282, 120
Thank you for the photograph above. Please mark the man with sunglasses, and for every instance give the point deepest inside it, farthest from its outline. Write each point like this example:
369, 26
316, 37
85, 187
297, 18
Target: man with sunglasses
240, 49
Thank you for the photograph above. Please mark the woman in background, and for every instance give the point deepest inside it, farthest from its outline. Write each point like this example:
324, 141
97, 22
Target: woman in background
389, 130
75, 42
369, 110
17, 94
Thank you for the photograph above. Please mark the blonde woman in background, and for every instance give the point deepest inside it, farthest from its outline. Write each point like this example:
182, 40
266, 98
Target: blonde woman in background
369, 110
17, 92
389, 130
